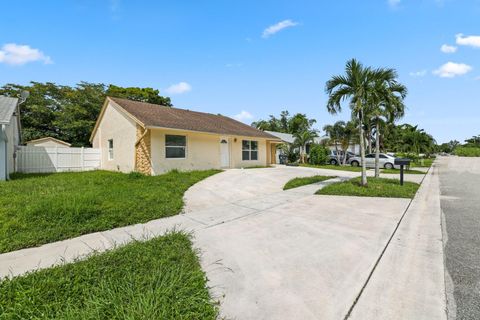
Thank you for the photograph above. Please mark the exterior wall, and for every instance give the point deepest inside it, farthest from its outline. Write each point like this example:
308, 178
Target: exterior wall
13, 142
117, 126
203, 151
47, 144
237, 153
3, 159
143, 158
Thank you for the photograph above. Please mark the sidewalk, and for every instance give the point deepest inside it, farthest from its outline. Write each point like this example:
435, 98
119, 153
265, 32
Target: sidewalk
408, 282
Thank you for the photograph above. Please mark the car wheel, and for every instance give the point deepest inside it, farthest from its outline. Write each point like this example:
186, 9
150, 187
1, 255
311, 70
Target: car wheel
355, 163
333, 162
388, 166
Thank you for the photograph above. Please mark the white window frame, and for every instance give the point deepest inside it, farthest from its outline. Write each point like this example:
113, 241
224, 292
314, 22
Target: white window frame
185, 147
250, 150
110, 149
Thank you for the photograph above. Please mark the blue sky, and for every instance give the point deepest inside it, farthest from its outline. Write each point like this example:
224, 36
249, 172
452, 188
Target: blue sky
251, 59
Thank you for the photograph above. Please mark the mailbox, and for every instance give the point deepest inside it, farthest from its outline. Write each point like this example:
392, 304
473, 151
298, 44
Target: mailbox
402, 162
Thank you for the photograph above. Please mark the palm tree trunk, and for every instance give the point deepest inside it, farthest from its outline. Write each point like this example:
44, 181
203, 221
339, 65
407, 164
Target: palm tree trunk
377, 151
345, 155
337, 154
362, 147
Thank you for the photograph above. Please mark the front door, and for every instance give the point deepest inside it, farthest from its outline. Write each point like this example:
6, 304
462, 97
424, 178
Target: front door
224, 153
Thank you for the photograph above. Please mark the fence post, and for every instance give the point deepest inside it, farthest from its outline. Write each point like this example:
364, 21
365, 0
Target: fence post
82, 158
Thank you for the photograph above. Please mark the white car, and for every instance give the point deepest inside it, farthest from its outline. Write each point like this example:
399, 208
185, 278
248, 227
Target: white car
386, 161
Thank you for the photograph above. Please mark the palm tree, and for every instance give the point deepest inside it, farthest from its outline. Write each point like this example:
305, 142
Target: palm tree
302, 139
355, 86
385, 105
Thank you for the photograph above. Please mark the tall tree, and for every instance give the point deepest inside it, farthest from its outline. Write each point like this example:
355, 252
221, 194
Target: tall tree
355, 86
297, 123
69, 113
385, 105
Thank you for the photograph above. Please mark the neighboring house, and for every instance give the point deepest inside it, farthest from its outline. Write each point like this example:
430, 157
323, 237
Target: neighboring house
9, 135
286, 138
353, 147
48, 142
152, 139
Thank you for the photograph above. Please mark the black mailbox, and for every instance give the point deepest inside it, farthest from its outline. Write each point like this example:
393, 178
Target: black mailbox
402, 162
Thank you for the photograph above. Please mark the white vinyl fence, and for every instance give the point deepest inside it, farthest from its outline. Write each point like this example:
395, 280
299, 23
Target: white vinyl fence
52, 159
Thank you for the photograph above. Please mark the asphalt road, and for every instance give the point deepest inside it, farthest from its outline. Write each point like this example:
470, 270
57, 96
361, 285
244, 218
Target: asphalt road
460, 202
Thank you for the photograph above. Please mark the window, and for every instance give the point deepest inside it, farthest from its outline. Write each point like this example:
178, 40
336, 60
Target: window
249, 150
110, 149
371, 155
175, 146
382, 156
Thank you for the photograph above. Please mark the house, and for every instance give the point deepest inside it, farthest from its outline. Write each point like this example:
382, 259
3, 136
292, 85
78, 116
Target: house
152, 139
9, 135
48, 142
353, 147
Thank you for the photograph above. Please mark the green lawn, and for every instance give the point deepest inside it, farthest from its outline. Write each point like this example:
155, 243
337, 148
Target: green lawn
332, 167
377, 187
157, 279
397, 171
37, 209
298, 182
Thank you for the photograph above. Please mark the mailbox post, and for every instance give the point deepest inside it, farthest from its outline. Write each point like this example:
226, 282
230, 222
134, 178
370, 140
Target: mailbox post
402, 162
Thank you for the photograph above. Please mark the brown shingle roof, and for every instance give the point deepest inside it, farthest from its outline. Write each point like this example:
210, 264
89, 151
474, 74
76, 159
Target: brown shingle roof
154, 115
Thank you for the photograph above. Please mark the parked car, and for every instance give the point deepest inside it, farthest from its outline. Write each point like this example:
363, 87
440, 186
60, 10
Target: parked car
332, 157
386, 161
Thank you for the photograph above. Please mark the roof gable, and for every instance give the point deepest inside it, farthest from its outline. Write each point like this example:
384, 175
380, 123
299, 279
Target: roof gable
8, 106
153, 115
45, 139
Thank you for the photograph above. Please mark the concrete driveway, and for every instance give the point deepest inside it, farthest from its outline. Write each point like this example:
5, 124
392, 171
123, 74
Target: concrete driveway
273, 254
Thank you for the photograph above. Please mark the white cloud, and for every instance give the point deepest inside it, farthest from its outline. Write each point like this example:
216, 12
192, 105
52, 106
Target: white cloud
179, 88
418, 74
278, 27
243, 116
448, 49
452, 69
472, 41
394, 3
15, 54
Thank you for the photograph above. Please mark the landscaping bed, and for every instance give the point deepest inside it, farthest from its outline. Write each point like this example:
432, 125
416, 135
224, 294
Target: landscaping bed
377, 187
39, 208
157, 279
298, 182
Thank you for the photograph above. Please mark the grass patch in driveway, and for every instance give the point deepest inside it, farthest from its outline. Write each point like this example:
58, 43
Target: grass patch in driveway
397, 171
332, 167
298, 182
36, 209
157, 279
377, 187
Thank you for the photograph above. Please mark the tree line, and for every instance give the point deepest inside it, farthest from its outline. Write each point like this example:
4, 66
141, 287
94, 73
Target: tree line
69, 113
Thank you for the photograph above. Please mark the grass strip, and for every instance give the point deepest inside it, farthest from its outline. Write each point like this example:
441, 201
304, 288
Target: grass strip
298, 182
377, 187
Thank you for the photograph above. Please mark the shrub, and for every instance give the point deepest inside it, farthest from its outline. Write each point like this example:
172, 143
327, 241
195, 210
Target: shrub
467, 151
318, 154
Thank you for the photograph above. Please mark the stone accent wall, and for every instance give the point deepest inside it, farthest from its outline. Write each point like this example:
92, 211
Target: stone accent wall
143, 152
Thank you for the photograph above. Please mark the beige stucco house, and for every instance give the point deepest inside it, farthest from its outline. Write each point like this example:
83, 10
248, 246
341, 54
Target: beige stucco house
48, 142
152, 139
